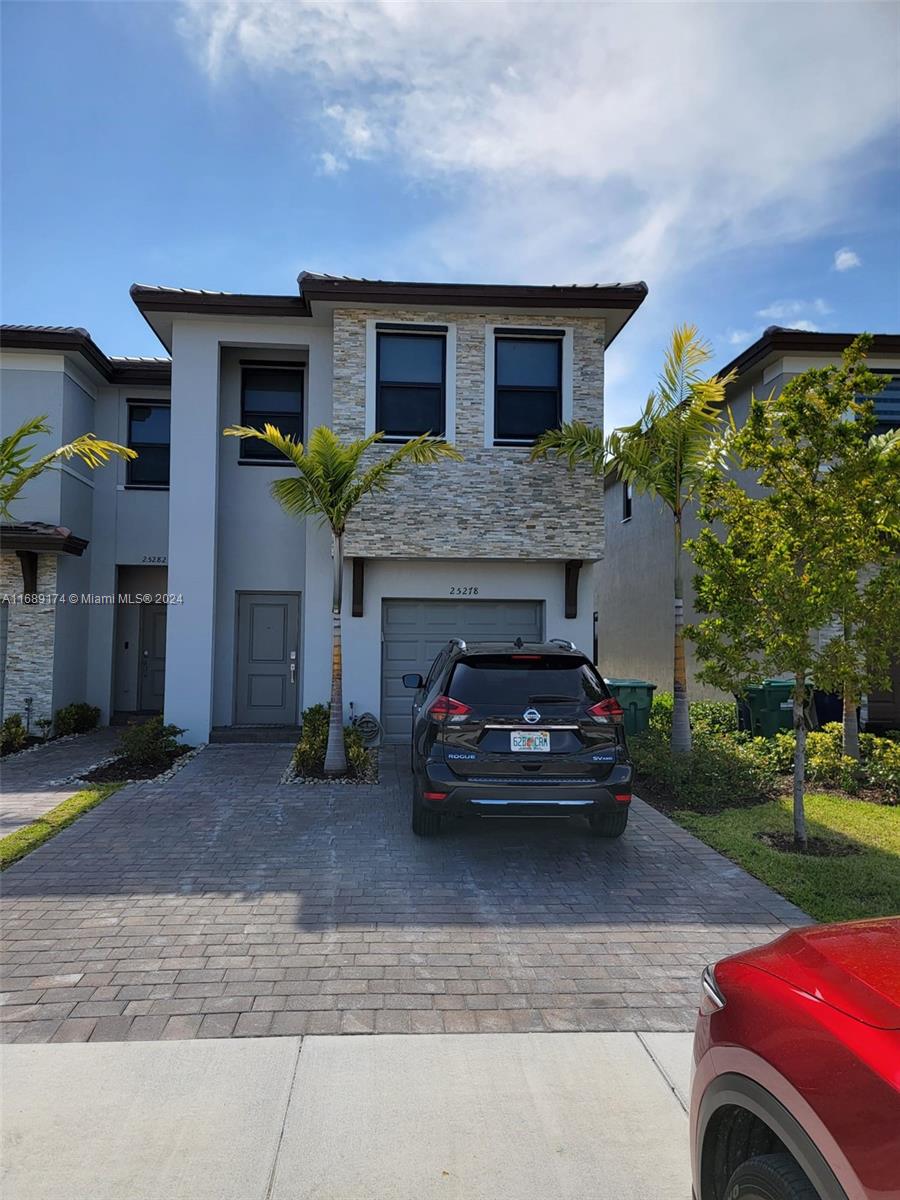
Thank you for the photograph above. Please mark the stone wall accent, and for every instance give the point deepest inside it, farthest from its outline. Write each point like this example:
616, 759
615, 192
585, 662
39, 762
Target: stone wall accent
30, 641
495, 504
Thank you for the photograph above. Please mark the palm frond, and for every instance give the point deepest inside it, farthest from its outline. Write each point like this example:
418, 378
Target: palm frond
330, 480
575, 442
15, 450
421, 451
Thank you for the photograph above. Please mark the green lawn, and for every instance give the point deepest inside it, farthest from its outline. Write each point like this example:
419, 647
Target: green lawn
830, 889
22, 841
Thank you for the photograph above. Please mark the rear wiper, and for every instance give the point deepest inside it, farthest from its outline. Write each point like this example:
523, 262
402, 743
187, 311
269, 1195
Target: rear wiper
550, 698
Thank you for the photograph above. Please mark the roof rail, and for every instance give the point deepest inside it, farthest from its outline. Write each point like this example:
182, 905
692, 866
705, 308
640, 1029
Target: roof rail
459, 642
563, 642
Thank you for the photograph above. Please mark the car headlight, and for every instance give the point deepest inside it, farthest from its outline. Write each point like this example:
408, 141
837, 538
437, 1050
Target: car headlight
711, 998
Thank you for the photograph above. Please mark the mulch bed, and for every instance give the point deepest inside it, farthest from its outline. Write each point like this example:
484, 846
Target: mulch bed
816, 847
121, 768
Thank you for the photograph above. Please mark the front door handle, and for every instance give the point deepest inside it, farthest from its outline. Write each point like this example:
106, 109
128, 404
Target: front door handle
293, 672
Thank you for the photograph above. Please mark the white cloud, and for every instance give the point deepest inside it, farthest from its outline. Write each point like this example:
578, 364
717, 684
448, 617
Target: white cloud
846, 259
790, 310
576, 142
809, 326
330, 164
740, 337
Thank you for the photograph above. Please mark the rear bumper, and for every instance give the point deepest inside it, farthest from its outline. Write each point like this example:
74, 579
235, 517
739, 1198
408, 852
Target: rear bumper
514, 798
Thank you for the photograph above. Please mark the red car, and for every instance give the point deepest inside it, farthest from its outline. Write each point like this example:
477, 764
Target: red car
795, 1091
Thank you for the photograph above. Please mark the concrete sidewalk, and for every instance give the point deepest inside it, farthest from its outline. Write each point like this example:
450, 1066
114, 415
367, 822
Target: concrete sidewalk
585, 1116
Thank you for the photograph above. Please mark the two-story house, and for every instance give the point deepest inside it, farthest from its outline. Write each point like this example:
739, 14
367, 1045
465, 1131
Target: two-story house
635, 578
236, 632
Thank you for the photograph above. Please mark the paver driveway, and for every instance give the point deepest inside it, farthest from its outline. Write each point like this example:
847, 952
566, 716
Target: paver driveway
223, 903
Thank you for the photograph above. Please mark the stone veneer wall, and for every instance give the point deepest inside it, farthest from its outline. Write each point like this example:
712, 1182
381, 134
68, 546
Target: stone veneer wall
30, 641
495, 504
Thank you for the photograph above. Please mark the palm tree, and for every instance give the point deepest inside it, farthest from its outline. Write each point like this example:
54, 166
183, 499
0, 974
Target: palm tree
15, 450
328, 484
666, 454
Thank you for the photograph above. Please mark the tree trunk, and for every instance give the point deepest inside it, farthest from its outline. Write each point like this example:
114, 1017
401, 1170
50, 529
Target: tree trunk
800, 838
335, 752
851, 727
681, 718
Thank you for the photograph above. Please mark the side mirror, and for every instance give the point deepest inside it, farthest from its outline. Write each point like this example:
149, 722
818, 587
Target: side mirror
413, 681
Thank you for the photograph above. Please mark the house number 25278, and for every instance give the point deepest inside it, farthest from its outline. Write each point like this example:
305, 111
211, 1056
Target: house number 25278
464, 591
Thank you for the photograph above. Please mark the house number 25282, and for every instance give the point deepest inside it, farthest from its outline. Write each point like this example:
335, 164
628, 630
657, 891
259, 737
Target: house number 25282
464, 591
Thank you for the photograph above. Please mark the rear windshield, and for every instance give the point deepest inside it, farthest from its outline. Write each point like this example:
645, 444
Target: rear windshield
544, 679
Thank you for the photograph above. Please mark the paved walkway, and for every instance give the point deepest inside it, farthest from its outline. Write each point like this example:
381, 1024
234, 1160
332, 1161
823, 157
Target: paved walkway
221, 903
28, 786
555, 1117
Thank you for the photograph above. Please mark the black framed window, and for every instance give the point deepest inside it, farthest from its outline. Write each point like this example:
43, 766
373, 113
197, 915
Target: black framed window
527, 388
627, 497
887, 402
148, 434
271, 396
411, 374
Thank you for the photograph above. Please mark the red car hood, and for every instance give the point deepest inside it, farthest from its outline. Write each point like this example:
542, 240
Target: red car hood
854, 967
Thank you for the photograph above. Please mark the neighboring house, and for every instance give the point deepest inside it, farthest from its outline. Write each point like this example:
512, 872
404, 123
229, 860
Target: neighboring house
494, 546
634, 598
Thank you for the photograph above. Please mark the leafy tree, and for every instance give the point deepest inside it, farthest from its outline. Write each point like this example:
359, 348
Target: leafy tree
777, 567
15, 451
857, 657
665, 454
328, 483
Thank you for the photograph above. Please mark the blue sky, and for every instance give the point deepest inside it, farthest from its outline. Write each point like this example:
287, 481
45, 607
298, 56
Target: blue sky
725, 154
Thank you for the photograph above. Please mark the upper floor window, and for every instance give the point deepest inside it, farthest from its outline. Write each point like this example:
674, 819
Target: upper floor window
271, 395
411, 386
627, 497
887, 402
148, 434
527, 387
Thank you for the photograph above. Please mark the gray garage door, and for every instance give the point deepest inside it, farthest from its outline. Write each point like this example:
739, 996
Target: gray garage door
413, 631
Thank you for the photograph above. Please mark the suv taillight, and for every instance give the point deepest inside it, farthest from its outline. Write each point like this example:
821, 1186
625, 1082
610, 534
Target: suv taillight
607, 712
445, 708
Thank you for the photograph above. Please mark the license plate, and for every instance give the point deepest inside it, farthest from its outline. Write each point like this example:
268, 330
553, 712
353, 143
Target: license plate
530, 741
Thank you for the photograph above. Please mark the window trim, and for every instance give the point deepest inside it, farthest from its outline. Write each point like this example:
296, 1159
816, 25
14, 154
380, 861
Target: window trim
244, 457
374, 326
137, 486
562, 333
627, 501
423, 331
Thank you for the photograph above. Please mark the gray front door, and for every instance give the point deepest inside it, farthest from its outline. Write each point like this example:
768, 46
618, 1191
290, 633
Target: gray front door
152, 679
268, 658
414, 631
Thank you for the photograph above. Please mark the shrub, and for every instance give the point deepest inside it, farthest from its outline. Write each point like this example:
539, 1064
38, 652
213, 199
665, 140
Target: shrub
76, 718
707, 716
713, 716
309, 753
150, 744
12, 734
720, 771
881, 764
661, 712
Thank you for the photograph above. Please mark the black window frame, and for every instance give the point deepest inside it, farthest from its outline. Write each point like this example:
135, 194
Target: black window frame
256, 419
627, 500
556, 336
383, 330
132, 403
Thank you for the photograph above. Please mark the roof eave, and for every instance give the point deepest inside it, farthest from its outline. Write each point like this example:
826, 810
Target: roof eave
53, 540
777, 340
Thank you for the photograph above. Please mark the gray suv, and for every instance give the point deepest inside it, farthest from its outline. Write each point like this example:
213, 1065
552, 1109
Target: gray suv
521, 729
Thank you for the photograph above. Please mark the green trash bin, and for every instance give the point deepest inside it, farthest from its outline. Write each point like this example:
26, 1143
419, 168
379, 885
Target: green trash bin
771, 706
636, 698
